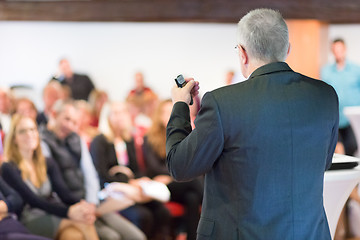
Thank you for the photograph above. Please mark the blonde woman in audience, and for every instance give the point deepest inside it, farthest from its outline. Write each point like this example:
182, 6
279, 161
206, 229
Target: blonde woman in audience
10, 206
113, 153
36, 179
97, 99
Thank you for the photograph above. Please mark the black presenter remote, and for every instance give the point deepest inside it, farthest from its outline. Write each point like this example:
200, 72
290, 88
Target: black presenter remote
180, 82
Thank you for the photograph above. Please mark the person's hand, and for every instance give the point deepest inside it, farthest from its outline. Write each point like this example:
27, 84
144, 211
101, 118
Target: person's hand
121, 169
184, 94
165, 179
3, 209
137, 182
82, 212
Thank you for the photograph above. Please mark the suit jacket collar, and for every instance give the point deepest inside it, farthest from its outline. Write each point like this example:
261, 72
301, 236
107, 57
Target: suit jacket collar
270, 68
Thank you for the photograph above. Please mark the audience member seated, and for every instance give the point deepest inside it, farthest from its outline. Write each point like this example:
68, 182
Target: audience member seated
25, 107
114, 156
142, 100
80, 84
5, 110
229, 78
73, 157
52, 92
189, 194
35, 178
10, 205
97, 99
86, 131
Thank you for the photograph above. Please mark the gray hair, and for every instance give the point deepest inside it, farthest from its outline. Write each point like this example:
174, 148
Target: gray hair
60, 104
264, 35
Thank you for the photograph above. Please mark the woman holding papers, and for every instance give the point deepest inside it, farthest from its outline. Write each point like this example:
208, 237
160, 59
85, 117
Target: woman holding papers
113, 153
189, 194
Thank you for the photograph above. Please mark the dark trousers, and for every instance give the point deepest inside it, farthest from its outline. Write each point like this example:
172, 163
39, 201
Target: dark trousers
153, 218
189, 194
11, 229
347, 138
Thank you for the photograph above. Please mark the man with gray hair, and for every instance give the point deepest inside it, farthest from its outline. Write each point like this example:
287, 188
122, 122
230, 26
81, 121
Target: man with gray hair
263, 144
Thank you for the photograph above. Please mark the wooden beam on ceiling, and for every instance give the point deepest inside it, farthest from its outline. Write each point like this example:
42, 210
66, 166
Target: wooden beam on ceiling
227, 11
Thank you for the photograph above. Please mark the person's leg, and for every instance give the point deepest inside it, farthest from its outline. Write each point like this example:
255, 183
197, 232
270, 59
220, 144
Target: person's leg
162, 219
11, 225
141, 216
21, 236
46, 225
347, 137
11, 229
354, 217
105, 232
123, 227
70, 233
189, 194
88, 232
192, 214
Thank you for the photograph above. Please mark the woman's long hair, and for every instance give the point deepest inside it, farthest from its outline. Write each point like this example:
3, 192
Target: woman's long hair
12, 154
105, 126
156, 134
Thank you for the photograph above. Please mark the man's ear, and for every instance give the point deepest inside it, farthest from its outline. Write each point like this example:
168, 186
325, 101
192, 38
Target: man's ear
53, 114
289, 50
244, 58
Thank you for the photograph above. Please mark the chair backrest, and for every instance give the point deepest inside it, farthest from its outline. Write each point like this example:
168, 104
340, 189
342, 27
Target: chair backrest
353, 114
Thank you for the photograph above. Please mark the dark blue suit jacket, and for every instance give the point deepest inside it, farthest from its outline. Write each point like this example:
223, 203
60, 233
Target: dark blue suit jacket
263, 146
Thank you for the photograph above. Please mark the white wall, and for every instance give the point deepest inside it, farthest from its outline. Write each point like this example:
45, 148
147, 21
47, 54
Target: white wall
110, 53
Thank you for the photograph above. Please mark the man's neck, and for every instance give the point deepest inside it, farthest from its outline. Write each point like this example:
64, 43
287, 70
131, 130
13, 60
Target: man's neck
58, 133
340, 64
254, 65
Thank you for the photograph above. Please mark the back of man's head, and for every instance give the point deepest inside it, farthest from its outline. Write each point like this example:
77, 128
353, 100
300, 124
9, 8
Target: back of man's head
264, 35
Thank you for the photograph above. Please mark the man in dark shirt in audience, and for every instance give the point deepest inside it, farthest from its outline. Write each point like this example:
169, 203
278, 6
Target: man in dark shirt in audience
80, 85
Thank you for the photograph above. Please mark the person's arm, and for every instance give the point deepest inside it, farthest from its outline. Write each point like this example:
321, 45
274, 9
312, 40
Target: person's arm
193, 153
58, 183
91, 178
45, 149
11, 199
101, 156
154, 165
12, 176
334, 135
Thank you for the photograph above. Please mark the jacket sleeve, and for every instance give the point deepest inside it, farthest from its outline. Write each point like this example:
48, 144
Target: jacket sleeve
12, 176
334, 135
154, 164
193, 153
91, 178
11, 198
103, 160
58, 183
